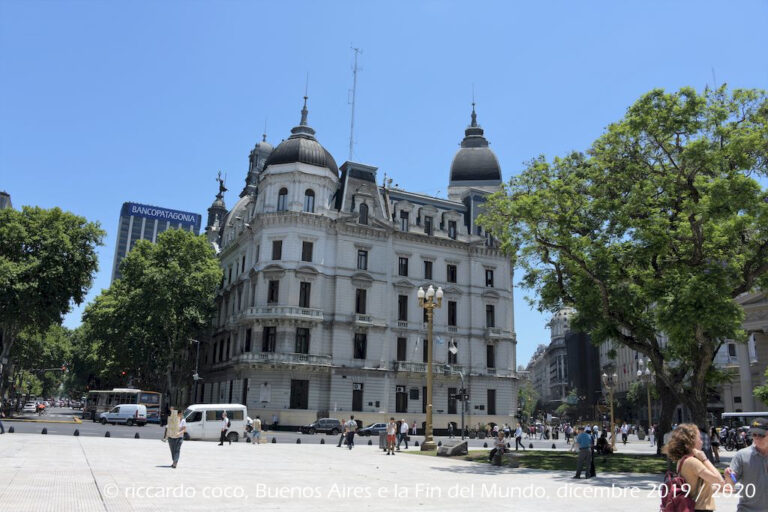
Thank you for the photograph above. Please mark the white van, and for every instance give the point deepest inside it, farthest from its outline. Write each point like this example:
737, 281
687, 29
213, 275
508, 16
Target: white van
129, 414
204, 421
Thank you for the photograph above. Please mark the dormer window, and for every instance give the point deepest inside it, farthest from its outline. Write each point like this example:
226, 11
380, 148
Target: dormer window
309, 201
282, 200
404, 221
363, 219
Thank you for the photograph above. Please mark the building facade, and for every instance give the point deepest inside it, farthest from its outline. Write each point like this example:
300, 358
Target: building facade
145, 222
318, 312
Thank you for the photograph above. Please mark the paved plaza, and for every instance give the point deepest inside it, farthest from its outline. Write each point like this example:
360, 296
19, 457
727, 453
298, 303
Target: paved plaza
63, 473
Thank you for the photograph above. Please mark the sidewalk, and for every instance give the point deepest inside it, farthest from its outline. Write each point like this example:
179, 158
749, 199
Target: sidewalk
58, 473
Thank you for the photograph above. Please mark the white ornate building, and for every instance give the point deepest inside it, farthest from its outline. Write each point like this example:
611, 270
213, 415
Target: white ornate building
318, 314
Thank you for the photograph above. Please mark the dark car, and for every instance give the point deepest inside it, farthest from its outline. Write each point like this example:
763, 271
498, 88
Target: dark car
327, 425
373, 429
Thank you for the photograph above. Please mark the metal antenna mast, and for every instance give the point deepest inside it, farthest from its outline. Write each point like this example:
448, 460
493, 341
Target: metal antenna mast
354, 90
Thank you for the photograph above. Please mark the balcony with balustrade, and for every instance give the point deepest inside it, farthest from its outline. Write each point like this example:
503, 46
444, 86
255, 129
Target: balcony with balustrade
278, 313
276, 358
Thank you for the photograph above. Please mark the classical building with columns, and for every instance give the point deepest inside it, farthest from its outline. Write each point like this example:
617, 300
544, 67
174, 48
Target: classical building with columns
318, 314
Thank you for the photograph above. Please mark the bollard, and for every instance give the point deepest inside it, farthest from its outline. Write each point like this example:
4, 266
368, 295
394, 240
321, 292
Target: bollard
298, 441
10, 430
530, 445
416, 443
370, 442
508, 446
322, 441
107, 434
485, 445
45, 431
136, 436
274, 440
76, 433
439, 444
553, 446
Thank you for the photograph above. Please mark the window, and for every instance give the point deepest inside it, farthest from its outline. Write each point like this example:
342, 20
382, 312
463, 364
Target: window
403, 266
428, 270
304, 293
243, 266
491, 401
361, 344
221, 350
299, 394
490, 315
490, 356
401, 399
450, 272
453, 358
357, 396
737, 399
360, 299
732, 349
452, 313
282, 200
403, 221
452, 229
302, 340
273, 292
428, 225
402, 348
270, 339
195, 417
362, 260
451, 400
309, 201
402, 308
363, 218
489, 278
277, 249
229, 280
306, 251
247, 340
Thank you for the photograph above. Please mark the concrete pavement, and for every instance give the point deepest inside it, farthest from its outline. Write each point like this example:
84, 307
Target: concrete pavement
40, 473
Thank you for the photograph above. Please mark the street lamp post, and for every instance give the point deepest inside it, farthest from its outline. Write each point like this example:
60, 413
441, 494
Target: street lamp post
646, 376
609, 381
196, 376
429, 300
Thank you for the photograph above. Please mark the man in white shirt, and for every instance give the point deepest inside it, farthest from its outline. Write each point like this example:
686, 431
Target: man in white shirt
403, 434
351, 429
624, 433
519, 437
224, 428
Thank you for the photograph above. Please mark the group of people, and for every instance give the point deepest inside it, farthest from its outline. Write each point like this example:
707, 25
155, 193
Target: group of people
749, 467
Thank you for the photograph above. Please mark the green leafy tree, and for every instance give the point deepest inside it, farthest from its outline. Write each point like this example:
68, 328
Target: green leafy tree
47, 262
527, 398
46, 355
656, 229
143, 323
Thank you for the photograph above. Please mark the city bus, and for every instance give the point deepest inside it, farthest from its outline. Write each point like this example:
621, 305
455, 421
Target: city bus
101, 401
741, 419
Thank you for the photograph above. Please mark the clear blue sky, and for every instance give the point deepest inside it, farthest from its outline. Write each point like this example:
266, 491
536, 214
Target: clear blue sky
103, 102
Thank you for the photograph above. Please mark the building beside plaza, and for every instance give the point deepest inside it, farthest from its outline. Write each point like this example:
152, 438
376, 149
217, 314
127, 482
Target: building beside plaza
318, 313
145, 222
5, 200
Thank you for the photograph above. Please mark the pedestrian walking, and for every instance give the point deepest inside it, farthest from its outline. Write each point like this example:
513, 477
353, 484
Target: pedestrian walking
225, 423
750, 468
413, 427
256, 433
714, 440
274, 422
343, 436
624, 433
450, 430
391, 433
403, 434
684, 447
652, 435
706, 444
177, 425
519, 437
584, 444
351, 429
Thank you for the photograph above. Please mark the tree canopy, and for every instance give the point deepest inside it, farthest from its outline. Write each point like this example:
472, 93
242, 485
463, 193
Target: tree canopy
652, 232
142, 324
47, 262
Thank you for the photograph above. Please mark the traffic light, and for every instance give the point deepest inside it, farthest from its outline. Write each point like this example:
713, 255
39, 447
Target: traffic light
122, 373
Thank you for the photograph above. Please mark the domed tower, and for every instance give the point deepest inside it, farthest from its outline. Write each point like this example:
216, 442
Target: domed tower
475, 165
299, 174
561, 323
256, 161
216, 214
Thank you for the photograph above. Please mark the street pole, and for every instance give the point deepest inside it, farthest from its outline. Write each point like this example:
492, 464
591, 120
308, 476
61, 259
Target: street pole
196, 376
429, 300
463, 394
610, 381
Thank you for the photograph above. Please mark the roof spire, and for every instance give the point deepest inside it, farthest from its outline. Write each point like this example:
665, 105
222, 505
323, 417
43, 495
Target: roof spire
474, 115
264, 135
304, 113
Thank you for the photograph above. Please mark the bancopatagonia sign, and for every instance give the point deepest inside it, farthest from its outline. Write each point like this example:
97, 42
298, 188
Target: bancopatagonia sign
155, 212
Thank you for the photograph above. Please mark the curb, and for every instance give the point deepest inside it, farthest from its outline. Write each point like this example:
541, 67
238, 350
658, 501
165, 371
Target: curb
40, 421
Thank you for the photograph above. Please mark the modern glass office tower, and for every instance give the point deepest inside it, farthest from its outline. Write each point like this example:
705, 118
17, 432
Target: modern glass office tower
145, 222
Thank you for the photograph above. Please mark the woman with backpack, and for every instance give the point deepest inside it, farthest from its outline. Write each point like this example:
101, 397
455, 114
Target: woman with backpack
684, 447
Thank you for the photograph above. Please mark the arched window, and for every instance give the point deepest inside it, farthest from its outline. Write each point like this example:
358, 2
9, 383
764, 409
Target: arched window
309, 201
363, 214
282, 199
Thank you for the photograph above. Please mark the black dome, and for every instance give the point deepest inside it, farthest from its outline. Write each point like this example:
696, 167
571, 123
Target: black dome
302, 147
475, 161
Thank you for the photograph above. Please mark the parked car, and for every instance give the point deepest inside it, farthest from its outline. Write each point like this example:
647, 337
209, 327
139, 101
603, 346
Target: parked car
373, 429
330, 426
129, 414
30, 407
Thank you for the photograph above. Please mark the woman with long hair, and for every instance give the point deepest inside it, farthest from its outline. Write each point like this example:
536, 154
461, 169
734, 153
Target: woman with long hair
684, 447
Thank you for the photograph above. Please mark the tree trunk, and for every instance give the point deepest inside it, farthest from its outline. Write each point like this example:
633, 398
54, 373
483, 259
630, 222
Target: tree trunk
8, 339
668, 404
